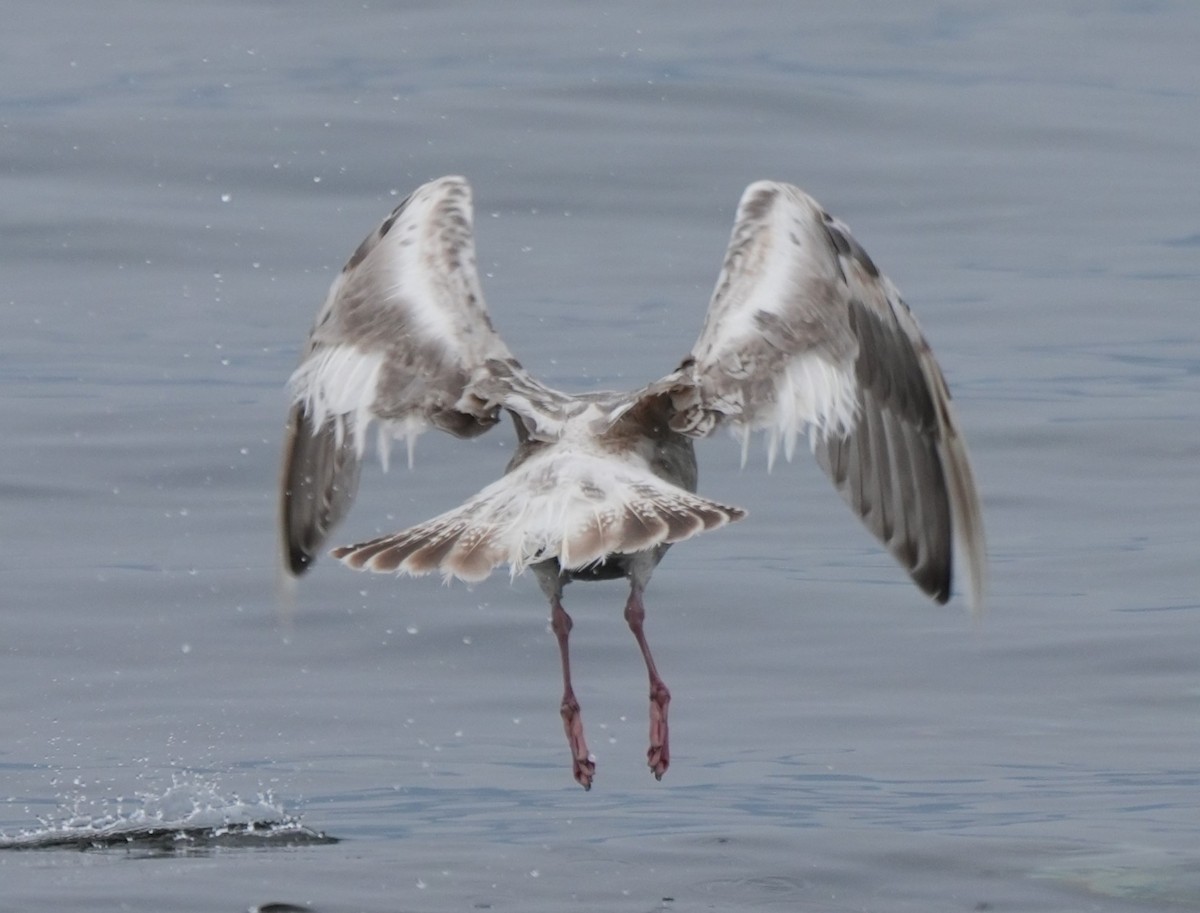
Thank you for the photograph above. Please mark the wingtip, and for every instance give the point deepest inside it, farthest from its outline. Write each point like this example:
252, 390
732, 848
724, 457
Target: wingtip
761, 184
977, 591
970, 539
449, 182
285, 594
298, 561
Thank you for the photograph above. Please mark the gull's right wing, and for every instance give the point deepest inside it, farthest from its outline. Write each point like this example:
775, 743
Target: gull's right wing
804, 334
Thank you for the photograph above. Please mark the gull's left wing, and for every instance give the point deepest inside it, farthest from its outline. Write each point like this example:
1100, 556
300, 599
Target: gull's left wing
400, 339
804, 334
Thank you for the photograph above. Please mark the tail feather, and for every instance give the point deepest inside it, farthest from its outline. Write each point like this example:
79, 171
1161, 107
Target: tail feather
575, 507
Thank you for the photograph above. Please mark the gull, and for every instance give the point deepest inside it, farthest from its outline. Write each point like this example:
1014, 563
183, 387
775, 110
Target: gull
804, 336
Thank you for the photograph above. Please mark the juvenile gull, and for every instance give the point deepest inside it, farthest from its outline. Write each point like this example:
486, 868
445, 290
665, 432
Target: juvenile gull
803, 335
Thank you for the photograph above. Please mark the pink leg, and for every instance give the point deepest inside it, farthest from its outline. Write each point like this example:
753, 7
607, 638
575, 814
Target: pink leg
581, 759
658, 757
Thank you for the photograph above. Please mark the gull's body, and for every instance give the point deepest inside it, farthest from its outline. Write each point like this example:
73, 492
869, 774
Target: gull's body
803, 336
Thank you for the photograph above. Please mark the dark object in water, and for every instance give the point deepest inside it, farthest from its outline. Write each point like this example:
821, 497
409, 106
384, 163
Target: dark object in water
166, 839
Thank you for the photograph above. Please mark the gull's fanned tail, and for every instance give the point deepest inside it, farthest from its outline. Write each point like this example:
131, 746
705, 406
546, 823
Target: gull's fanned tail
574, 506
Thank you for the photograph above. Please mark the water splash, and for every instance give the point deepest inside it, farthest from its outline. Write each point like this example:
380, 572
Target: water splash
187, 816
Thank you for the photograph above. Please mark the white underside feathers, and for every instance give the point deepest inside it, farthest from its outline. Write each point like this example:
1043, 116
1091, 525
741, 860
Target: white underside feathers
811, 395
338, 384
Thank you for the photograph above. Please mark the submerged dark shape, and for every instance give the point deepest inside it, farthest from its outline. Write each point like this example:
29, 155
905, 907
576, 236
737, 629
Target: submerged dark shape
164, 838
803, 336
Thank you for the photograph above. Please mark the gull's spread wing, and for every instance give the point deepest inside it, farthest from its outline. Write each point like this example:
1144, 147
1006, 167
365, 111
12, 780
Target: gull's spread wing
399, 340
805, 334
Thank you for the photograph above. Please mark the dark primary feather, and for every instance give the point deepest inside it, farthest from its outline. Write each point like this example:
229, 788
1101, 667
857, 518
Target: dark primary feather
902, 468
888, 468
320, 479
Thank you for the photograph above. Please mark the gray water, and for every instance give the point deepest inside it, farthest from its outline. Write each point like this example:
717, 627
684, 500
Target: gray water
181, 181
